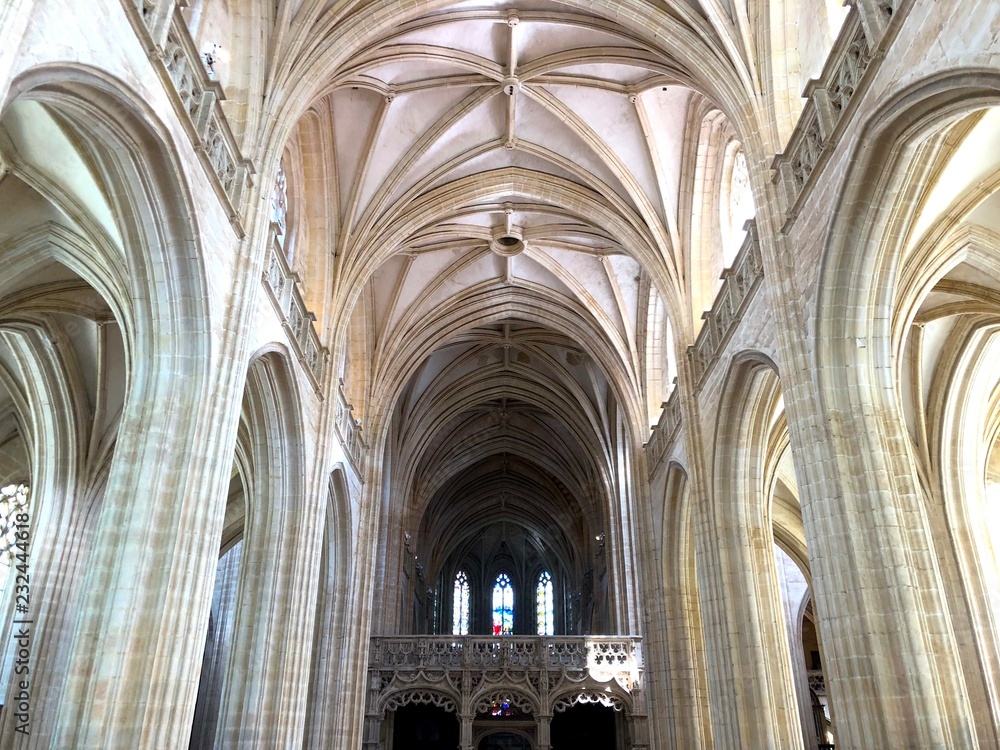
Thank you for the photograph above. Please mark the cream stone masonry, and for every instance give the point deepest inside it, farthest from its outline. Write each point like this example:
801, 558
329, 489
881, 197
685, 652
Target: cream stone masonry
501, 375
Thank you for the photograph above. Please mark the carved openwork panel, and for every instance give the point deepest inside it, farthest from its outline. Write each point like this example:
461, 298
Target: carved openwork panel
851, 68
614, 655
523, 671
567, 654
221, 154
603, 698
504, 697
443, 654
817, 682
522, 653
179, 66
808, 148
431, 697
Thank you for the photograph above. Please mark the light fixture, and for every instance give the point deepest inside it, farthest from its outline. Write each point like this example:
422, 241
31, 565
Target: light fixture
507, 240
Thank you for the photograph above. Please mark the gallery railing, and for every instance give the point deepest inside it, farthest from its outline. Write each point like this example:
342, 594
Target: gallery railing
349, 429
299, 324
614, 655
739, 282
858, 50
196, 98
664, 432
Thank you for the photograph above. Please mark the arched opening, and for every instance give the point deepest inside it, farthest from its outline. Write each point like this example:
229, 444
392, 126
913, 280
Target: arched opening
946, 333
686, 722
219, 638
94, 208
545, 617
422, 726
587, 725
503, 605
915, 372
505, 741
330, 671
744, 615
794, 582
461, 602
258, 562
504, 490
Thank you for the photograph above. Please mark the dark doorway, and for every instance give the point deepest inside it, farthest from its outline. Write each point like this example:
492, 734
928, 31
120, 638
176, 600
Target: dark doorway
422, 727
589, 725
504, 741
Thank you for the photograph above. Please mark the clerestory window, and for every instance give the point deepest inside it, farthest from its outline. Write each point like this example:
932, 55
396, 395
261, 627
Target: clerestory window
546, 604
503, 605
460, 605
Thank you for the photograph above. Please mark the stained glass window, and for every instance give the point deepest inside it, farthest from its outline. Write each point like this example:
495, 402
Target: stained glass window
13, 520
546, 605
501, 708
503, 606
460, 605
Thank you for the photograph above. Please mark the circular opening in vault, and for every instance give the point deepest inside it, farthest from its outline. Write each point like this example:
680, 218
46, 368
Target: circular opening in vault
507, 245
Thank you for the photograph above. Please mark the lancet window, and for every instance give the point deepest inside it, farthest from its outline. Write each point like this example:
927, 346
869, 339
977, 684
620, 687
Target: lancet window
460, 605
503, 605
546, 604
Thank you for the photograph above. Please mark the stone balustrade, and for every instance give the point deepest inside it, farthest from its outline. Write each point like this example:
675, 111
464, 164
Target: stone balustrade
664, 432
298, 323
472, 675
849, 68
349, 429
196, 97
739, 282
616, 655
539, 675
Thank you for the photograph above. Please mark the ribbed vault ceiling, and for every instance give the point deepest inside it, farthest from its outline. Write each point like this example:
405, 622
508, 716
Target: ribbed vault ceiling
505, 425
502, 186
563, 129
510, 363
